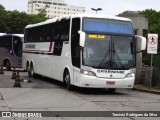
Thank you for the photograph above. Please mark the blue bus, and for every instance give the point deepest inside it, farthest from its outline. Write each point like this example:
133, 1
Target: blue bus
11, 50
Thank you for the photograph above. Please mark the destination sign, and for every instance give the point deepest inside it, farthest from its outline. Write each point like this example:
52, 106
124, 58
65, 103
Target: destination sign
95, 36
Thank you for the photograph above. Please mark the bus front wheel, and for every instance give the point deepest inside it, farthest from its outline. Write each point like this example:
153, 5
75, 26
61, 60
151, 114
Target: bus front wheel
67, 80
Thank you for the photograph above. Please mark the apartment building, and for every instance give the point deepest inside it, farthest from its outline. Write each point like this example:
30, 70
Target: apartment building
53, 8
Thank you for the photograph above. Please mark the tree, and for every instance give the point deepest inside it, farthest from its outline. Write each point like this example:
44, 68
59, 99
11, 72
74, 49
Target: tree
153, 19
43, 12
15, 21
153, 22
3, 18
153, 27
1, 7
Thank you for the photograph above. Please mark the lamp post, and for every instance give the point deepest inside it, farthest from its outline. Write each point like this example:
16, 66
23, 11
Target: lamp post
98, 9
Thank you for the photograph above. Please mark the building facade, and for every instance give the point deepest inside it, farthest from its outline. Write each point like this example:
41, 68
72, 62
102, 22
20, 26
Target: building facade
140, 22
53, 8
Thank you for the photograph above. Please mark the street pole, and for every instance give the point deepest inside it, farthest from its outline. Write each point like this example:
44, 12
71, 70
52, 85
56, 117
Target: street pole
151, 70
98, 9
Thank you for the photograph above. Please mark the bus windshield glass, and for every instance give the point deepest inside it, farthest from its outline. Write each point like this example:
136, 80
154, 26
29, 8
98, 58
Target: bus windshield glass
107, 26
109, 52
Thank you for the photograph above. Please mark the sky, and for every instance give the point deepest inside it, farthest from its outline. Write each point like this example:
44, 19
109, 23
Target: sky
110, 7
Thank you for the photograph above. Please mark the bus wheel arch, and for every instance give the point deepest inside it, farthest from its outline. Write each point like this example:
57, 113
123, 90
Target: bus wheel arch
27, 65
7, 64
67, 79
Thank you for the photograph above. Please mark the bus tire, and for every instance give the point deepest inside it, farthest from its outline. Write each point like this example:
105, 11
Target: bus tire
67, 80
8, 65
31, 71
111, 90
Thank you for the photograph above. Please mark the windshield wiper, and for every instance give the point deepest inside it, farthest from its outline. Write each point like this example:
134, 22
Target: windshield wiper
118, 58
103, 60
106, 56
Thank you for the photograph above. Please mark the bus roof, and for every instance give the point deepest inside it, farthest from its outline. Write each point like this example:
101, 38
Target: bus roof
6, 34
77, 15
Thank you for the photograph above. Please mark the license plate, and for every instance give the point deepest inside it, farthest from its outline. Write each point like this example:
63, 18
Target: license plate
110, 83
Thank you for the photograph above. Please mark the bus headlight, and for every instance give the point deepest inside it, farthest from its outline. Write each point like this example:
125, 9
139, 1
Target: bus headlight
90, 73
130, 75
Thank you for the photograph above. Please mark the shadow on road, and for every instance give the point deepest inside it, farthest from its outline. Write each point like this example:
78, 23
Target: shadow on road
86, 91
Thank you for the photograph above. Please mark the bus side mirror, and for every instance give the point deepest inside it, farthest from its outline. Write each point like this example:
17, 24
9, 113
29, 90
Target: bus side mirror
141, 41
82, 38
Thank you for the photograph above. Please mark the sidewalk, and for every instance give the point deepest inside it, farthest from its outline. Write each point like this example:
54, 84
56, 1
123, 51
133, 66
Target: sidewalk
146, 89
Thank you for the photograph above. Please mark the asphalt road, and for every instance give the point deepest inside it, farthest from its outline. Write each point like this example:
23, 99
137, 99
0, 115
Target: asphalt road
44, 94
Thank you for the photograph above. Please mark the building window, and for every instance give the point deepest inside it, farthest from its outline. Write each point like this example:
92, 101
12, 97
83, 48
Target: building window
135, 31
54, 3
47, 3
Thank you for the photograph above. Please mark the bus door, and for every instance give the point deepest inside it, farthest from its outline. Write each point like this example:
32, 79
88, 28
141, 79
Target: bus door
17, 46
75, 49
17, 50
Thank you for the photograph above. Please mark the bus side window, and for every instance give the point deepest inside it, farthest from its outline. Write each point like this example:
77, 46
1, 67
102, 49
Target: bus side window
7, 41
26, 36
55, 32
47, 30
65, 30
29, 35
60, 34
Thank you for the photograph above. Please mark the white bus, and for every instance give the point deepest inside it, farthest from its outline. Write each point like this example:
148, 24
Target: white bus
91, 51
11, 50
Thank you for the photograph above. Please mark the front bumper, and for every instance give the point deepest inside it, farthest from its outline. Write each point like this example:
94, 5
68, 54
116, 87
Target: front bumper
95, 82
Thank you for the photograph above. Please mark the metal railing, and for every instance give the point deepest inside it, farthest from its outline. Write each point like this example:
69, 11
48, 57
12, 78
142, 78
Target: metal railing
145, 76
156, 77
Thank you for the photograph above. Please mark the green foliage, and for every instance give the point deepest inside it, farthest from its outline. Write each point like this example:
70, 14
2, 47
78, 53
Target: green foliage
3, 18
15, 21
153, 27
43, 12
1, 7
153, 20
157, 87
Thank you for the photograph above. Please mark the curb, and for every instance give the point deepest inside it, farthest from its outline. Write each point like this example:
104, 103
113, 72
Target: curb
147, 90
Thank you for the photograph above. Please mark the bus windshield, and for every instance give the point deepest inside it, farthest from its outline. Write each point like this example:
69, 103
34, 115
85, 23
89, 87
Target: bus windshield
109, 44
109, 52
